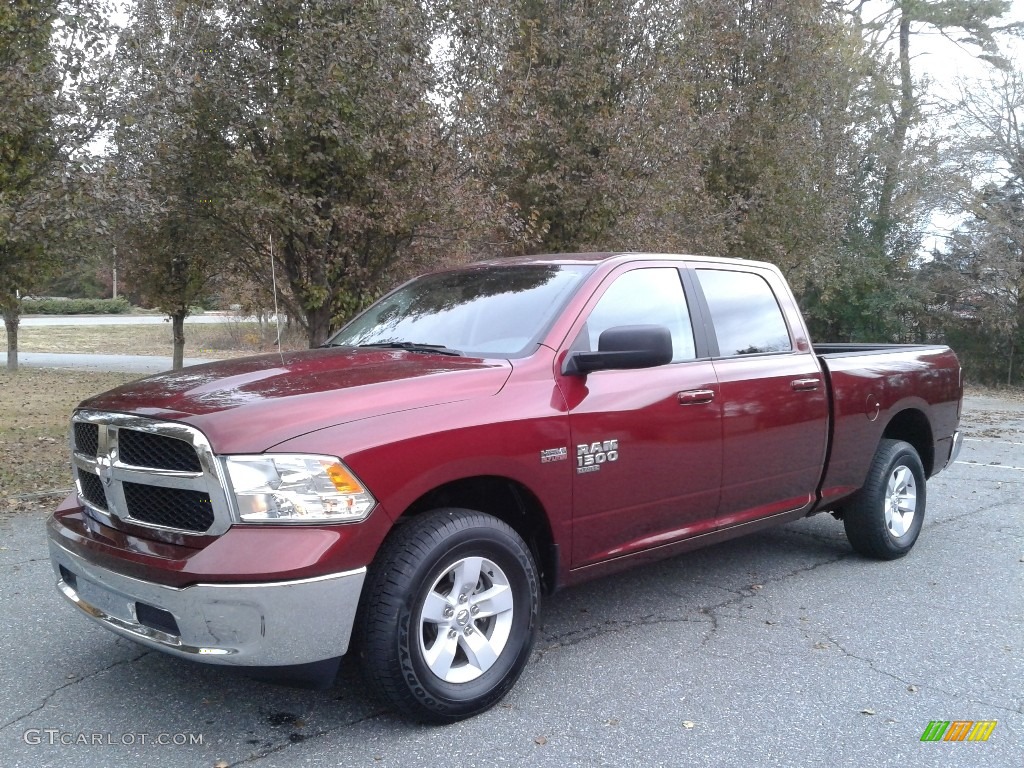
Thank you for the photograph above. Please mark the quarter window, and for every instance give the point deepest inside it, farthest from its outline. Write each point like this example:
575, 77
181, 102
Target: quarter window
652, 296
745, 313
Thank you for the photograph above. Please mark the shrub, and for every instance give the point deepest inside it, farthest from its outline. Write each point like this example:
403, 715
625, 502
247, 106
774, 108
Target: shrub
75, 306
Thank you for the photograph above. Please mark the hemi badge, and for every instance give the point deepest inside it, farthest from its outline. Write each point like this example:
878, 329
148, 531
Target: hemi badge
549, 455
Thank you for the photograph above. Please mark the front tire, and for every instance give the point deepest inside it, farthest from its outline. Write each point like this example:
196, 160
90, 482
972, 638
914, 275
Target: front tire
449, 615
884, 518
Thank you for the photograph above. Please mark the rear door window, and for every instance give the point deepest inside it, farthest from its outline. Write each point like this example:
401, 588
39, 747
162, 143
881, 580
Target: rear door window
745, 313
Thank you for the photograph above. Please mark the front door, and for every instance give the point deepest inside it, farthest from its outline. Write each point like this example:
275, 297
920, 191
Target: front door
647, 443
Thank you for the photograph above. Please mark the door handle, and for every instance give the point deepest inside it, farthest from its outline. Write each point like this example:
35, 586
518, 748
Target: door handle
804, 385
696, 396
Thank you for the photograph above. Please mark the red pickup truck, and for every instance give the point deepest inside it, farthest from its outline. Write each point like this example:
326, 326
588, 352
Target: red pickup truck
476, 438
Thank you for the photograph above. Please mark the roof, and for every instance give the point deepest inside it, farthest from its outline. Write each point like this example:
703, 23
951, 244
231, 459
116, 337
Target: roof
599, 256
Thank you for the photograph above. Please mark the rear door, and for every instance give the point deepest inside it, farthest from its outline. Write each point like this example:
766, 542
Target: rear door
772, 393
646, 444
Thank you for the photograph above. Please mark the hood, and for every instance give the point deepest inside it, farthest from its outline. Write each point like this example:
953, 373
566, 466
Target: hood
250, 404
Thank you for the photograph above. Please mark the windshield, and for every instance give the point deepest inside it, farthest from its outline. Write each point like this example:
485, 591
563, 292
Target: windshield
490, 311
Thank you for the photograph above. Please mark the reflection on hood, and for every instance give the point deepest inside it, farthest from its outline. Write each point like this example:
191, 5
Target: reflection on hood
291, 394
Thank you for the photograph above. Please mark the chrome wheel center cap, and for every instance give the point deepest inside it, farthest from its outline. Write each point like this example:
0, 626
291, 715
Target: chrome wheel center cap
462, 617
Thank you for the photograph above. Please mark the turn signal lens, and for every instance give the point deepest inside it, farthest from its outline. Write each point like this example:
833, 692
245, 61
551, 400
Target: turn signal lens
341, 478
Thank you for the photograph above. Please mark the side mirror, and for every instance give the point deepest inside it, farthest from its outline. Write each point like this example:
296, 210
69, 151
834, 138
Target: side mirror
623, 347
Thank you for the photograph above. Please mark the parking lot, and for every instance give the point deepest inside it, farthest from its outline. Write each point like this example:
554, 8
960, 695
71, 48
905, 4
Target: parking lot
783, 648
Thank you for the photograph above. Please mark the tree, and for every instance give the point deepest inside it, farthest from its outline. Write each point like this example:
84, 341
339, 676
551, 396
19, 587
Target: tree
559, 110
966, 22
982, 273
896, 180
341, 158
680, 125
171, 162
54, 90
770, 85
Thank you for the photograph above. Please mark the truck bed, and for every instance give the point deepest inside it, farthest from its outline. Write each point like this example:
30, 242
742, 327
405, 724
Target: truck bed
906, 392
837, 349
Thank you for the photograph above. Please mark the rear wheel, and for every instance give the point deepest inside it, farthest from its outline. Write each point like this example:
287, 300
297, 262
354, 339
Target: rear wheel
885, 517
449, 615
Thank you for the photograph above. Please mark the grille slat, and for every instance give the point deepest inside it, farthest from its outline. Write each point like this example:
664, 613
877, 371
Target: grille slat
145, 449
92, 489
87, 438
169, 507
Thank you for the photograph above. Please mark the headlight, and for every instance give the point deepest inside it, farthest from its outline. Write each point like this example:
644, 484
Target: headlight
296, 488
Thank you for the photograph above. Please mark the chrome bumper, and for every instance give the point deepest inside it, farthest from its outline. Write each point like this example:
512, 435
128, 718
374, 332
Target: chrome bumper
954, 451
258, 625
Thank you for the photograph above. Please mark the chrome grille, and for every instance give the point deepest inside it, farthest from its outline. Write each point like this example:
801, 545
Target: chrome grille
87, 438
158, 474
169, 507
146, 449
92, 489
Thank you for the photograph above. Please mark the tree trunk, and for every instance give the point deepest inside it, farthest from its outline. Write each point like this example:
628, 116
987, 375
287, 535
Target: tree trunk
318, 325
1009, 372
882, 225
12, 317
178, 337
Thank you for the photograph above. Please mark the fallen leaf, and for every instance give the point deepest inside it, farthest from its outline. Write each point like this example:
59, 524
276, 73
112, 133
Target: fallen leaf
613, 721
821, 646
688, 724
867, 711
540, 741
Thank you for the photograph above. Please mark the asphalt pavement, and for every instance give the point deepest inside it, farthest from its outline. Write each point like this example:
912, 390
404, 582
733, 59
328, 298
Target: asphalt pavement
36, 321
118, 363
780, 649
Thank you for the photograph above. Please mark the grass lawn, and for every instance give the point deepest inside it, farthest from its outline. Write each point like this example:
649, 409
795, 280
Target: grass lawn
214, 340
35, 413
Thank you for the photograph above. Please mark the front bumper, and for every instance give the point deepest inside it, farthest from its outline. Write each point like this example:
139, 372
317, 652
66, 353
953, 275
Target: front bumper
954, 451
269, 624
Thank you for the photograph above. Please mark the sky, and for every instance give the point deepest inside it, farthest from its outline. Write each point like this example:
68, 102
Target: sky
945, 62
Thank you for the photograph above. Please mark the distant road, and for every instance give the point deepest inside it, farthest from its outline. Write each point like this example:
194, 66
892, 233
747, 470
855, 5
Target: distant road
119, 363
34, 321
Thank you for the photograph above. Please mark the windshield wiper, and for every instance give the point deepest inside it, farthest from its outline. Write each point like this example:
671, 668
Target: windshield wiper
412, 346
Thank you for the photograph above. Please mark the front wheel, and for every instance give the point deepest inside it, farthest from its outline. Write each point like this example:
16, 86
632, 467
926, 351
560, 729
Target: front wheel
449, 615
884, 518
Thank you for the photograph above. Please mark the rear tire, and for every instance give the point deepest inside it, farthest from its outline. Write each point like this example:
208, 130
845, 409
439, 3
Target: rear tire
884, 518
449, 615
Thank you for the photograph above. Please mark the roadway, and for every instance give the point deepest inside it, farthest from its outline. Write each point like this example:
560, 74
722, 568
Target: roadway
39, 321
783, 648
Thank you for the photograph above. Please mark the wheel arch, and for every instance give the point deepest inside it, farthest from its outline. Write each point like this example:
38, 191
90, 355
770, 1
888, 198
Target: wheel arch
911, 425
506, 499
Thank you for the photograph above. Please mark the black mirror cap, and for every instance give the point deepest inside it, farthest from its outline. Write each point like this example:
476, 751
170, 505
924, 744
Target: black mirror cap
622, 348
